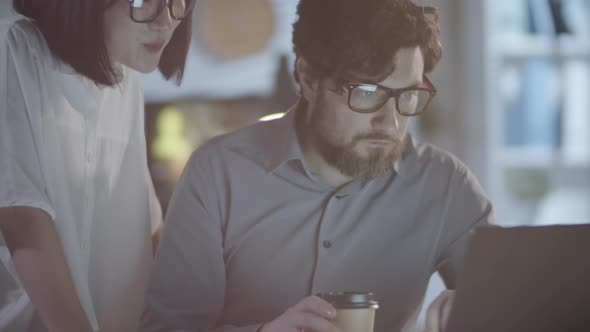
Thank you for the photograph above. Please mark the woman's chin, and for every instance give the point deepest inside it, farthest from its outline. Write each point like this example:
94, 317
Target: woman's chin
144, 68
143, 64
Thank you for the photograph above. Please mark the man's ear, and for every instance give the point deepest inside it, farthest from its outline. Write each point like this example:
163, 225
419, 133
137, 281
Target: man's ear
306, 81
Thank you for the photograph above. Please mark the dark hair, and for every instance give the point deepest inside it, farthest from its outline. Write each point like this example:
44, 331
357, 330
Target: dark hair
347, 39
73, 30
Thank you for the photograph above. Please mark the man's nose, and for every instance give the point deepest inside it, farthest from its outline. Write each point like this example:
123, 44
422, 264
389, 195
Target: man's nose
387, 118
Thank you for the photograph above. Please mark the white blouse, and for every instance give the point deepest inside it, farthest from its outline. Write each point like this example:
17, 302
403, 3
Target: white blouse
77, 152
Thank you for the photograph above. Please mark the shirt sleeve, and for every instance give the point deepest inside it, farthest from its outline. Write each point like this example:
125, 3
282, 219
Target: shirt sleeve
187, 287
21, 175
468, 207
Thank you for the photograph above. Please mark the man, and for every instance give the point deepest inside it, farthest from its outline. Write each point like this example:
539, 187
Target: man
335, 196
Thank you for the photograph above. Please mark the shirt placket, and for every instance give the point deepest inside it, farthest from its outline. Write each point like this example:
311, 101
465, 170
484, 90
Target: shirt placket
89, 160
324, 241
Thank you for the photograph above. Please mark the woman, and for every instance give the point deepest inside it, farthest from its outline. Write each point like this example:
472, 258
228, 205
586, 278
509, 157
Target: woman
77, 207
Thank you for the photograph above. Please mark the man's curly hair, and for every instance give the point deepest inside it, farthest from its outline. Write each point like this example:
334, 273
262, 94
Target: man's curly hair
358, 39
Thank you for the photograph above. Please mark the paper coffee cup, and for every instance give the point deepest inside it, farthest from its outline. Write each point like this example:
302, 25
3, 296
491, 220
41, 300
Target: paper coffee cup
355, 311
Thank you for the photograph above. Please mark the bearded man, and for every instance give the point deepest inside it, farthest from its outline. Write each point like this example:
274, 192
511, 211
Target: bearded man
334, 196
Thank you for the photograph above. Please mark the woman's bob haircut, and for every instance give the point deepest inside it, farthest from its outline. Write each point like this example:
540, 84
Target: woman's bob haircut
73, 30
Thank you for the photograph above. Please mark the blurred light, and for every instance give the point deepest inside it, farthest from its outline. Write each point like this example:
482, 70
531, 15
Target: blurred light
170, 142
272, 117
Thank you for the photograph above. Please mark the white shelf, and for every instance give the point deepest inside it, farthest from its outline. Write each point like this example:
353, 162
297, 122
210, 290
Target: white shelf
538, 157
539, 171
524, 47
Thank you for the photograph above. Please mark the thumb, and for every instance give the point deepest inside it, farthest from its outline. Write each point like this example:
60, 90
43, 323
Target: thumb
438, 312
446, 311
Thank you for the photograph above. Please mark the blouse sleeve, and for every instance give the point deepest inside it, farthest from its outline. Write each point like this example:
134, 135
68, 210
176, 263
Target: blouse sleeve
22, 182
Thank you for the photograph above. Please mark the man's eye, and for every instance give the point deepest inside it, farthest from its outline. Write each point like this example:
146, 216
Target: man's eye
141, 3
408, 95
367, 91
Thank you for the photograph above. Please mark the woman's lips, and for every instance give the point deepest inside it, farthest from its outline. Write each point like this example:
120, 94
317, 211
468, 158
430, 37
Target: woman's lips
153, 47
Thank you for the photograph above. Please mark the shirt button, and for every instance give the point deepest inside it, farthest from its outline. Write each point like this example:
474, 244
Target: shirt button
327, 244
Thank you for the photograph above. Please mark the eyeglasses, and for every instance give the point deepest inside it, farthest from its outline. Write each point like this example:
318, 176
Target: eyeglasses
144, 11
368, 98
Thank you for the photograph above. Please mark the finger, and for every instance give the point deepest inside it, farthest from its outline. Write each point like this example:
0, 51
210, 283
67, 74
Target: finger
317, 306
306, 321
446, 312
434, 313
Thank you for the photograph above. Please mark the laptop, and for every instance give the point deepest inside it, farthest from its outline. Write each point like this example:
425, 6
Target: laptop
524, 279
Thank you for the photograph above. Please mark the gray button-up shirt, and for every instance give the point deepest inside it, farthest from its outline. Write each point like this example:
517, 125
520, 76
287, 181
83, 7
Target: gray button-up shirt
250, 232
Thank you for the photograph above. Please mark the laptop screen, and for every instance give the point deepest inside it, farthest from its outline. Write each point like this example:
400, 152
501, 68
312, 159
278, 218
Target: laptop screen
525, 279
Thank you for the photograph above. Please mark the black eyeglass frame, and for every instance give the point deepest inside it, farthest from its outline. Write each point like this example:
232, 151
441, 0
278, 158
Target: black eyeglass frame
163, 4
396, 93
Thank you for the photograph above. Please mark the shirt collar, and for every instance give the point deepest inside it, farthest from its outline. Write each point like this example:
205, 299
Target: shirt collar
405, 165
285, 147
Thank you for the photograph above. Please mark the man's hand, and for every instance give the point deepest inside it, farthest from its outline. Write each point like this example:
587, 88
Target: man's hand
439, 311
311, 314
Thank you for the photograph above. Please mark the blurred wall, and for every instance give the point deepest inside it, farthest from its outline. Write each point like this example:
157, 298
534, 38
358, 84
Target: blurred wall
456, 120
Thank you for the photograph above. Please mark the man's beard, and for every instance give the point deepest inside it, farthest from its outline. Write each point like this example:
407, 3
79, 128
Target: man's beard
376, 162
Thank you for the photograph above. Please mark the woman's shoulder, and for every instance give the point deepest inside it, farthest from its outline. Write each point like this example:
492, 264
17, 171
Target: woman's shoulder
20, 34
25, 42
